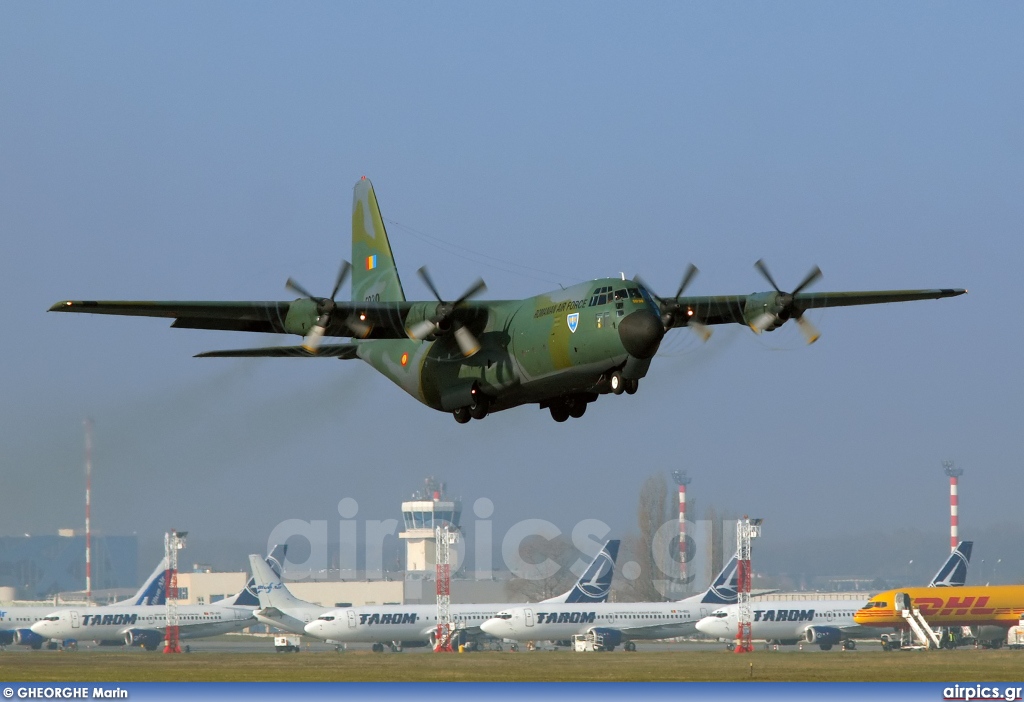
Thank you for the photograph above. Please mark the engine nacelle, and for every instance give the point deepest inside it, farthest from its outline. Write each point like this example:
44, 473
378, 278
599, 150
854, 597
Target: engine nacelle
766, 311
147, 638
6, 637
27, 637
611, 637
823, 635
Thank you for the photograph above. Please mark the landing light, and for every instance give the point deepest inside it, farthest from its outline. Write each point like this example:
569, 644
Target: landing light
362, 316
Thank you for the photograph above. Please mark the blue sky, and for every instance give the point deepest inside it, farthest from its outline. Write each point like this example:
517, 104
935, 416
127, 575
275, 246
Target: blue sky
208, 150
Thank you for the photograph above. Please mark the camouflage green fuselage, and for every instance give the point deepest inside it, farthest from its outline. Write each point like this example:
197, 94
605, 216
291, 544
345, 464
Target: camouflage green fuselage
530, 350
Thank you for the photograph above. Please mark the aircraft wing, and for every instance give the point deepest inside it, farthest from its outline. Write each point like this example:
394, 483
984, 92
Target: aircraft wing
377, 320
342, 351
744, 309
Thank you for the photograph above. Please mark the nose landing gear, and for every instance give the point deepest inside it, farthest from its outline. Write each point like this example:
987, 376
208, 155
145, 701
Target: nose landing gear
620, 385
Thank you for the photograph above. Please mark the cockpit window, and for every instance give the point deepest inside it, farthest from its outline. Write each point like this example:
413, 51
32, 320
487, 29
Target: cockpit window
620, 294
51, 619
600, 296
720, 614
327, 618
635, 294
504, 615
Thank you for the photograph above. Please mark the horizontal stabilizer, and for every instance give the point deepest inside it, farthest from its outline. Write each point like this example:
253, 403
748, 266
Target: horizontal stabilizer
270, 613
344, 351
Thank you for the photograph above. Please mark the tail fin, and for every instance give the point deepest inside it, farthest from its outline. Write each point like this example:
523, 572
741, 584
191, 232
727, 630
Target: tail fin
270, 589
154, 590
374, 274
723, 589
247, 596
953, 572
596, 581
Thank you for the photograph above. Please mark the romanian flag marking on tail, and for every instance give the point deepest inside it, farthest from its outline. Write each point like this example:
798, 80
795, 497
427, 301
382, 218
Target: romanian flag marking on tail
371, 262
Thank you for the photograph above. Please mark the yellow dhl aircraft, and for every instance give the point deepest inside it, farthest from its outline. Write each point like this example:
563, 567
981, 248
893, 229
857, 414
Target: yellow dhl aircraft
976, 605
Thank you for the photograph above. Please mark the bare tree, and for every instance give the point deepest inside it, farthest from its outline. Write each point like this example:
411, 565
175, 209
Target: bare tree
536, 585
652, 512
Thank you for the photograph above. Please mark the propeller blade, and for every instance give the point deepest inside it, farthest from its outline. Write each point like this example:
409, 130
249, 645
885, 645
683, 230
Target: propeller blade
296, 288
811, 277
762, 322
313, 338
421, 330
425, 276
637, 279
342, 274
760, 266
701, 330
466, 341
361, 328
474, 289
809, 331
691, 272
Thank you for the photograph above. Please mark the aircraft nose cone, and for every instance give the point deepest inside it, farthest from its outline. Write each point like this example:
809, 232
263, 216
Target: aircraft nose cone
710, 626
313, 629
494, 627
641, 333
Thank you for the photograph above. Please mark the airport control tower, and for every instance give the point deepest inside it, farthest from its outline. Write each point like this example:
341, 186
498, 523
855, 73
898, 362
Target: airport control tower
428, 508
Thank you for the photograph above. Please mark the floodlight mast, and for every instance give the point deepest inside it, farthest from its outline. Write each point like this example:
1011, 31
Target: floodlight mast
445, 537
174, 541
746, 531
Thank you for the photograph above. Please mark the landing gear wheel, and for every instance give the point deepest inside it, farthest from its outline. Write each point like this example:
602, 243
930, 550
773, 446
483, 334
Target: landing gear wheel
617, 383
632, 385
478, 410
629, 646
559, 412
462, 415
577, 409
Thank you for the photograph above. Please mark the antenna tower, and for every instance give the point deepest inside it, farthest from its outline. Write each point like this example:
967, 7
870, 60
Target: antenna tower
746, 531
954, 474
682, 480
88, 510
174, 541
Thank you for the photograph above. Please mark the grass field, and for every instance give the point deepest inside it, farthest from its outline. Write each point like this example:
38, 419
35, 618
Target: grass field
137, 666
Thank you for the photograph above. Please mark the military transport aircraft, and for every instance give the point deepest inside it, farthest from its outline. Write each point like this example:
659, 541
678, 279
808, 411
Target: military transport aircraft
560, 350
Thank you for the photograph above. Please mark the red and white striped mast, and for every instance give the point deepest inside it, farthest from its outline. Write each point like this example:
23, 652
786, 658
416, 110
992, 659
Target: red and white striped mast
747, 530
682, 480
88, 510
954, 474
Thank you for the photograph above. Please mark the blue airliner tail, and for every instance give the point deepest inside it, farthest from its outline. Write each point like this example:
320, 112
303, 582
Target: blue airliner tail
154, 590
953, 572
247, 596
596, 581
723, 588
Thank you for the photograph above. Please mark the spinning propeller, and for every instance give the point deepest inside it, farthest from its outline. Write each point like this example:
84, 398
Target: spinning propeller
785, 307
324, 307
442, 320
671, 309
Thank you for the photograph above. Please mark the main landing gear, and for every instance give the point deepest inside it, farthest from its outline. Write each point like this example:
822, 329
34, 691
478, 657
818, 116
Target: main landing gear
566, 407
477, 409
